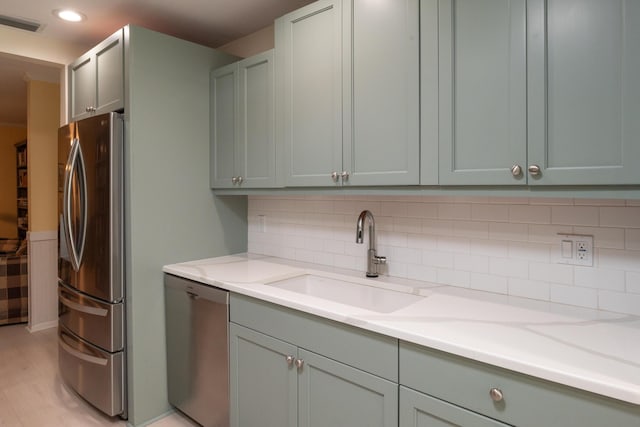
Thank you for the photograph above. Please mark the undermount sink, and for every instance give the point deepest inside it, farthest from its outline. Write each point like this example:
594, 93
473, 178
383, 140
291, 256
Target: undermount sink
347, 292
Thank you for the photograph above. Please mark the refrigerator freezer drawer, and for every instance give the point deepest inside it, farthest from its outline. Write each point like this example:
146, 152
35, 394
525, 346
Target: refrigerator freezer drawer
96, 375
100, 323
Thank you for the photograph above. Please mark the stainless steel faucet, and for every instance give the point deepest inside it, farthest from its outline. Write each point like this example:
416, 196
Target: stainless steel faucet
373, 260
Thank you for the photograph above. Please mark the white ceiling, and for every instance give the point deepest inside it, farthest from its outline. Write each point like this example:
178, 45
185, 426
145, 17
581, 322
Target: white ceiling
209, 22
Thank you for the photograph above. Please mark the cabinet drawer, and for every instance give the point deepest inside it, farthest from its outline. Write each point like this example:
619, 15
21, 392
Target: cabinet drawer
527, 401
368, 351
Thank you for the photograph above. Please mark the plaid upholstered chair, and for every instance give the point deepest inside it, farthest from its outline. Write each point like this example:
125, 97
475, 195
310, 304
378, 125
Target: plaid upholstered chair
14, 302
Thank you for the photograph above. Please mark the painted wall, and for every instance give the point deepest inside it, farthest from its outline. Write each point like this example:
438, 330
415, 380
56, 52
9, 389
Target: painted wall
38, 48
171, 213
9, 135
260, 41
502, 245
43, 113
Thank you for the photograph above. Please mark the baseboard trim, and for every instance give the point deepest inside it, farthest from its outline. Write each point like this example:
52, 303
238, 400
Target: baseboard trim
42, 326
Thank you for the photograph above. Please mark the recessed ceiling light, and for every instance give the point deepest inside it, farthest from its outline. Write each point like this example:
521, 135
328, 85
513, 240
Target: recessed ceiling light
69, 15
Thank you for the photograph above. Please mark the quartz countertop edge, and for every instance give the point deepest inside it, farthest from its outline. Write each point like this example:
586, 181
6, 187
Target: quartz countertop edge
586, 349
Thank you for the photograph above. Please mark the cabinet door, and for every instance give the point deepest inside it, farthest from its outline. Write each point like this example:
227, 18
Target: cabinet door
584, 90
310, 80
263, 386
109, 63
334, 394
96, 79
482, 100
381, 141
256, 150
224, 111
82, 91
421, 410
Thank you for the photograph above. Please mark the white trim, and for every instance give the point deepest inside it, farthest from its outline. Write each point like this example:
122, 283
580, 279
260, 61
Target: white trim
42, 326
36, 236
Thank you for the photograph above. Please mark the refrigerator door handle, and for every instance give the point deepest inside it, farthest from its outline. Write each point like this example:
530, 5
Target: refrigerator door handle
78, 354
84, 309
75, 165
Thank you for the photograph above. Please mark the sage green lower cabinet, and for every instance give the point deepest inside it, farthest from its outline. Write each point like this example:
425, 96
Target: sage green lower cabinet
263, 386
277, 381
504, 395
420, 410
331, 393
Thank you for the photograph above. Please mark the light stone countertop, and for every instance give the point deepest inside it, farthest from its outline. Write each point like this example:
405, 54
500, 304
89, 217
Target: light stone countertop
592, 350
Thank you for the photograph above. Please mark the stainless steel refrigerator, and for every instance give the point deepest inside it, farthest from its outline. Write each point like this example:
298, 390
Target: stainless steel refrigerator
91, 326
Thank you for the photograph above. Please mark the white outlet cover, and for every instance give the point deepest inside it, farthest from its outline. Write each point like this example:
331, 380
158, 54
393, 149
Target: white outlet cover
582, 249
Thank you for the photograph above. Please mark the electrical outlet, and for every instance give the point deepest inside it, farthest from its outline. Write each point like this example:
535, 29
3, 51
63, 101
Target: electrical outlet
576, 249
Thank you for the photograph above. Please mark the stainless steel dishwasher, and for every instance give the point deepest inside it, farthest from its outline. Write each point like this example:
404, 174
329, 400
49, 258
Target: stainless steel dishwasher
197, 325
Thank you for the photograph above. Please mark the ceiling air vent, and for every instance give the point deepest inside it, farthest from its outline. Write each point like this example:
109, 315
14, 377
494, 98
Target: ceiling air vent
19, 23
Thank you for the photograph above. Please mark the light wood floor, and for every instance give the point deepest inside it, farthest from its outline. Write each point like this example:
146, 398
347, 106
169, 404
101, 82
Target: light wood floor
32, 393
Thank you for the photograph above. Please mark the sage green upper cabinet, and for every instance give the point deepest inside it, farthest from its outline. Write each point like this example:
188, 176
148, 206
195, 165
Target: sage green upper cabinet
96, 79
243, 150
537, 92
482, 89
349, 111
584, 90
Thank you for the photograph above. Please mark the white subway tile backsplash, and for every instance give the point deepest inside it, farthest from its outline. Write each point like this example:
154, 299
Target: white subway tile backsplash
530, 214
422, 210
407, 225
575, 215
529, 289
530, 251
509, 267
632, 239
632, 281
598, 278
498, 213
627, 217
610, 238
454, 211
501, 245
421, 272
619, 302
461, 279
574, 295
471, 263
552, 273
471, 229
489, 283
618, 259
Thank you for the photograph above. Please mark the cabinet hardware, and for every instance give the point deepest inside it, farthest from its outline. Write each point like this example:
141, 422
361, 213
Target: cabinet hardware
290, 360
344, 175
335, 176
534, 170
496, 394
299, 363
516, 170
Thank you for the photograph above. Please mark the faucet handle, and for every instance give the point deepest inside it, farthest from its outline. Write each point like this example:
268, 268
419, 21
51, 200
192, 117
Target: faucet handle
380, 259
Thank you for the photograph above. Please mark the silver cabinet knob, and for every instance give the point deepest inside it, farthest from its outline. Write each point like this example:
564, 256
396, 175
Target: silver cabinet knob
290, 360
90, 109
239, 179
335, 176
496, 394
516, 170
534, 170
344, 175
299, 363
234, 180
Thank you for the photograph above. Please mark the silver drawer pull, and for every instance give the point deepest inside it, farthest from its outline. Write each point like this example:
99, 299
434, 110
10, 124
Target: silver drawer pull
496, 394
87, 358
102, 312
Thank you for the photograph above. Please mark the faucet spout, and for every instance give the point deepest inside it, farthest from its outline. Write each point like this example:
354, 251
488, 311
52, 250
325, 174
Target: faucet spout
373, 260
